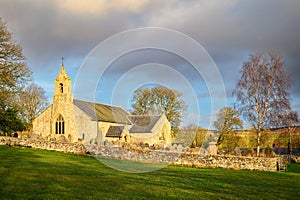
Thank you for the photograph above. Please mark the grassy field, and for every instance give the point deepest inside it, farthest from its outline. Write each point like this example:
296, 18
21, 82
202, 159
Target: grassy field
39, 174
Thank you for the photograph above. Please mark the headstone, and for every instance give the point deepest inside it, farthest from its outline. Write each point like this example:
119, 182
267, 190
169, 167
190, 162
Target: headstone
175, 147
203, 152
237, 151
212, 148
172, 148
105, 142
62, 139
196, 150
179, 148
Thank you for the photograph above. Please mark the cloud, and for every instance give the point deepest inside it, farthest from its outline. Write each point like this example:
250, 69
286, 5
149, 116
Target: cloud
100, 7
48, 30
237, 26
229, 31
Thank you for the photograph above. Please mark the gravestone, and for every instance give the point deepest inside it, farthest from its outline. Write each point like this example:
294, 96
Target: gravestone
237, 151
179, 148
203, 152
212, 148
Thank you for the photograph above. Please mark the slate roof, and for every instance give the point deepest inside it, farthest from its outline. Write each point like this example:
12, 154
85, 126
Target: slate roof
103, 112
143, 124
115, 131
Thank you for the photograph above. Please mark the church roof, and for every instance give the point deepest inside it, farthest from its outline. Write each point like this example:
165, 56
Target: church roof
115, 131
143, 124
103, 112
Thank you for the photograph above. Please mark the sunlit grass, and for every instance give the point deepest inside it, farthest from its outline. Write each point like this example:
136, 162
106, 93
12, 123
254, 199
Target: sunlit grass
39, 174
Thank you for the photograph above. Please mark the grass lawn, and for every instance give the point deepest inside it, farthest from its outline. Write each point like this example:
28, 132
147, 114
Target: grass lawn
40, 174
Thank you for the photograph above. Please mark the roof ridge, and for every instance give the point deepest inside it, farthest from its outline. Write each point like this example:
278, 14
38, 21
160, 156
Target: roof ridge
95, 102
145, 115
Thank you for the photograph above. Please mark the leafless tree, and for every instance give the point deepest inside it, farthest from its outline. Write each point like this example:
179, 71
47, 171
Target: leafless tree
227, 121
33, 102
263, 92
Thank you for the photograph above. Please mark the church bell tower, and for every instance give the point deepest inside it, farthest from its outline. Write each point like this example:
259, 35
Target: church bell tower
62, 110
63, 84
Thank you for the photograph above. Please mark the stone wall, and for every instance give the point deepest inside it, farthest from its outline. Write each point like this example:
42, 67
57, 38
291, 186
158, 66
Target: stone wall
44, 144
186, 157
175, 154
230, 162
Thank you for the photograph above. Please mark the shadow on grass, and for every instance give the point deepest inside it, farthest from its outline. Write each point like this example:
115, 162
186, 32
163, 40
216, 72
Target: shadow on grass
130, 166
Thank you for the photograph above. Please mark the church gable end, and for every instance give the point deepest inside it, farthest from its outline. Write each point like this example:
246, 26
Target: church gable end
42, 124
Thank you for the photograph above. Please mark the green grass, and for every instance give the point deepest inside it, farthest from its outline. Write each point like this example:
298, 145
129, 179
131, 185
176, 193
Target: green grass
40, 174
295, 168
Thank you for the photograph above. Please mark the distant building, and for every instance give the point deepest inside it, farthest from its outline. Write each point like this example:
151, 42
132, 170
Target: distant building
76, 120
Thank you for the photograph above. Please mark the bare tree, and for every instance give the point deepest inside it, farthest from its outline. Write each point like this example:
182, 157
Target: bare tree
191, 135
227, 121
33, 102
263, 92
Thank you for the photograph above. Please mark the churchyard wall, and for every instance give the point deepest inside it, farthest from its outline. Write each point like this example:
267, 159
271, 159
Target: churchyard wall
175, 154
44, 144
192, 157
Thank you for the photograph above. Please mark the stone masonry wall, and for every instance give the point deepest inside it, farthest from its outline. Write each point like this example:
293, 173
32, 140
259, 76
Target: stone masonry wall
44, 144
230, 162
186, 157
170, 155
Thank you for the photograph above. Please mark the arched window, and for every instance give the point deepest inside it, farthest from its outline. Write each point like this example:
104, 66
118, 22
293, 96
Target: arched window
61, 87
60, 125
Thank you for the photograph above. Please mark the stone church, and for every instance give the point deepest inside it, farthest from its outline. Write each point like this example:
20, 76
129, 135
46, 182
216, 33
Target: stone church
76, 120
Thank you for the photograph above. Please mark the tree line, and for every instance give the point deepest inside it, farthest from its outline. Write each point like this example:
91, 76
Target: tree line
262, 99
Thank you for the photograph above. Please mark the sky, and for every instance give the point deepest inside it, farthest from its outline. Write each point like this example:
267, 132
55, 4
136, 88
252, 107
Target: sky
111, 48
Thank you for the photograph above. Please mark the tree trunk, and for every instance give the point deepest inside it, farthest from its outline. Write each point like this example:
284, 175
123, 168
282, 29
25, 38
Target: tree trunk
290, 142
258, 143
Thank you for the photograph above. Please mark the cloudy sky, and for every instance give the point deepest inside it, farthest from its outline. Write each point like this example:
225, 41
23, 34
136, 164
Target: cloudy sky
228, 31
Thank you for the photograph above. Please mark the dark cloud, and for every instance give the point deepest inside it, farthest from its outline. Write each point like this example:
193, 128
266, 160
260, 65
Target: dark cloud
228, 30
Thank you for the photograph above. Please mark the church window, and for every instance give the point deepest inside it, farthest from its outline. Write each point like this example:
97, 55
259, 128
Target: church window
82, 136
61, 87
60, 125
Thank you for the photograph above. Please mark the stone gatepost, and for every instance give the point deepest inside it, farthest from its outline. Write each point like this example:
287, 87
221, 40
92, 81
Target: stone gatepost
212, 148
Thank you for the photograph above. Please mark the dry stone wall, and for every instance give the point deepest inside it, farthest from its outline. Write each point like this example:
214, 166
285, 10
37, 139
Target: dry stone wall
44, 144
186, 157
177, 155
230, 162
